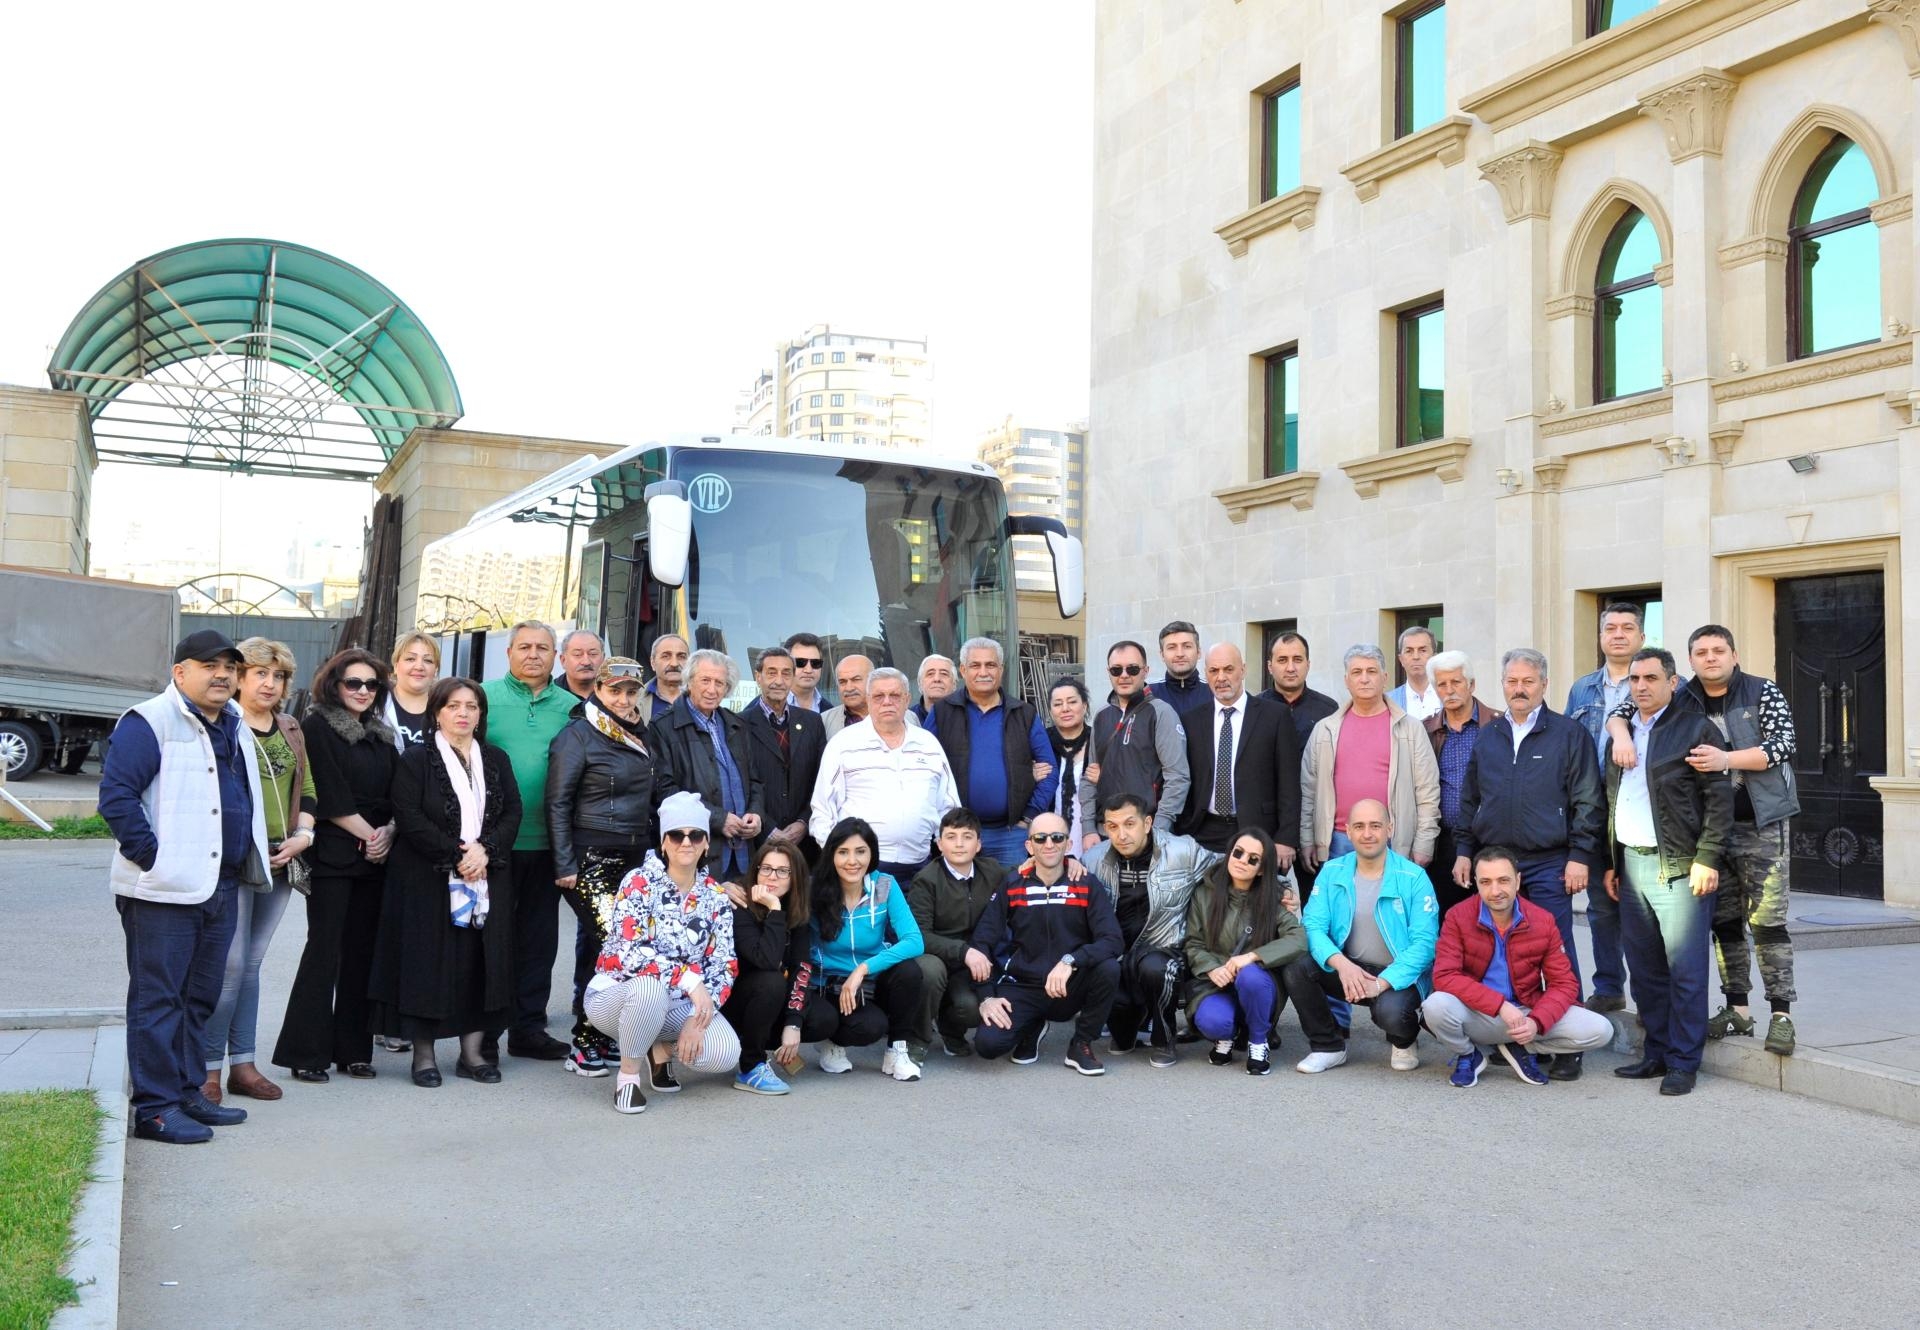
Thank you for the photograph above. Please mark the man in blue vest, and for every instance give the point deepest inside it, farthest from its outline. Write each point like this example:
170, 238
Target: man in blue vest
998, 750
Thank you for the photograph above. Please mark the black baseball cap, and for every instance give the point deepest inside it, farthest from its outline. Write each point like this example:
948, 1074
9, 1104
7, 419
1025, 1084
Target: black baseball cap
207, 644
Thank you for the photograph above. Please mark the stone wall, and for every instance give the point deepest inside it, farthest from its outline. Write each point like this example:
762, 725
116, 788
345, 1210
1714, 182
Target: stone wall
46, 478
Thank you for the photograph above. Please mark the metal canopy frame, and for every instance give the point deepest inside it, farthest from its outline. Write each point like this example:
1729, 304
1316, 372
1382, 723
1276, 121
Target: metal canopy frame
254, 356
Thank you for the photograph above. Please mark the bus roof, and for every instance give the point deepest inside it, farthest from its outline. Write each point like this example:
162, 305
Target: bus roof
582, 471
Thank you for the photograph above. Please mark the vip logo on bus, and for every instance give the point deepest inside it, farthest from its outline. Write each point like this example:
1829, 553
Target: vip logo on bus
709, 493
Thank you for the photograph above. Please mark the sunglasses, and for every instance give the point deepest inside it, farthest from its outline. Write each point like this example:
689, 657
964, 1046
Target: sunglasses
682, 835
1128, 670
1047, 837
1251, 858
807, 662
360, 685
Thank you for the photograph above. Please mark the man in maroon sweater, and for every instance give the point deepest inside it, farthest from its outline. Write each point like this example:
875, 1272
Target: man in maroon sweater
1501, 979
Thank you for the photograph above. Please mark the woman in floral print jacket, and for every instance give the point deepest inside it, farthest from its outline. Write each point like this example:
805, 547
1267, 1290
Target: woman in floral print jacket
668, 963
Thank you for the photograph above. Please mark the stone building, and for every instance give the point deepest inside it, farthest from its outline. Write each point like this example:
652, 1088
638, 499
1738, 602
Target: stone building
846, 388
1486, 313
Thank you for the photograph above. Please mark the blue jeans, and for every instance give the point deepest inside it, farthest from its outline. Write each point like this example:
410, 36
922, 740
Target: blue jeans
1338, 844
1006, 846
1544, 882
1253, 997
1668, 934
176, 955
234, 1026
1603, 929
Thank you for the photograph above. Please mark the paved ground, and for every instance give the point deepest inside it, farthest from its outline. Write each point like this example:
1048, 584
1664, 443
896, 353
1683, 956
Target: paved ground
1364, 1196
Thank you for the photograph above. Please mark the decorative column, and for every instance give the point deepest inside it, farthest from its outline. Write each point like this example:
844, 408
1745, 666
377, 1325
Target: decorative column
1692, 112
1526, 589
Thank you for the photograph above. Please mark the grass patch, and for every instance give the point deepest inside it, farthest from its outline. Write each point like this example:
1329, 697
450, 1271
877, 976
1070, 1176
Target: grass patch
47, 1140
93, 827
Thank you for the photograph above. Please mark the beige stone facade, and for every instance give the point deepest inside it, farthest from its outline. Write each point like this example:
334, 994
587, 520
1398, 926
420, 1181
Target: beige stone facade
843, 388
1535, 501
47, 462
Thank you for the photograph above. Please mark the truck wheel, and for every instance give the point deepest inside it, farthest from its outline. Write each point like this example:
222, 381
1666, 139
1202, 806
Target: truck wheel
76, 758
20, 749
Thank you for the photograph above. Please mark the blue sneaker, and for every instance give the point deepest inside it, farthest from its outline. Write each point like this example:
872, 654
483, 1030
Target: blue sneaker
761, 1080
1466, 1070
1525, 1065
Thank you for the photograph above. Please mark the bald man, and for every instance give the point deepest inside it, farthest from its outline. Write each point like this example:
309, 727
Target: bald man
850, 681
1372, 924
1245, 763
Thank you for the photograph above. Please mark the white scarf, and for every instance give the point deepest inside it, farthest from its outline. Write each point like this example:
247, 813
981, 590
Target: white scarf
468, 900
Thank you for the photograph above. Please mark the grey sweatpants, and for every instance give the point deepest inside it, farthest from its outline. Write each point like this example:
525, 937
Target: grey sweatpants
1460, 1028
642, 1012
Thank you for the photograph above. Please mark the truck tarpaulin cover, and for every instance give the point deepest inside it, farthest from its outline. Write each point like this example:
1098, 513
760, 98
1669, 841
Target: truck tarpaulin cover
57, 626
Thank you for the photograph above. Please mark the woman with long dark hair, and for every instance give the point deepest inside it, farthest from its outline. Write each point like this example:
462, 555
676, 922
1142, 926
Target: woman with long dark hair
1240, 936
862, 930
771, 942
351, 750
443, 968
1067, 706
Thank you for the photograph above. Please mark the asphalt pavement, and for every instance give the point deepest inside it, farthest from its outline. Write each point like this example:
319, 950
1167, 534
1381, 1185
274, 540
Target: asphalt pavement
986, 1193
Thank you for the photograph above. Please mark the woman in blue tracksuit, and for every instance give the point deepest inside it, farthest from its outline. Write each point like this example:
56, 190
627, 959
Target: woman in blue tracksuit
862, 930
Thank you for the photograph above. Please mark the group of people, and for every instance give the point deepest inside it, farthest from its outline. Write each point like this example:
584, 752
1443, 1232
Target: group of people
954, 870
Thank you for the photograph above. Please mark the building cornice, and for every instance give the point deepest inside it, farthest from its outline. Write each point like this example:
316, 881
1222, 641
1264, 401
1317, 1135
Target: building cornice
1445, 458
1662, 31
1607, 413
1570, 305
1891, 209
1444, 141
1692, 112
1752, 250
1296, 206
1815, 369
1295, 488
1524, 178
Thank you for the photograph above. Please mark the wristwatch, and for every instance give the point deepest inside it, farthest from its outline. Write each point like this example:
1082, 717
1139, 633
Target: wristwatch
1067, 960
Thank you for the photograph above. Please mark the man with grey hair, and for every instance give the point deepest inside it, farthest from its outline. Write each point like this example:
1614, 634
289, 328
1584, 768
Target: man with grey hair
937, 680
581, 654
1533, 786
1368, 749
667, 662
703, 747
528, 714
893, 775
1417, 696
997, 749
850, 681
1454, 729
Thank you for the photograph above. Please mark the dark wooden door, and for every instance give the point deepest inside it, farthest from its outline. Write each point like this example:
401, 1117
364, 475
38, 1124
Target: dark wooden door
1831, 643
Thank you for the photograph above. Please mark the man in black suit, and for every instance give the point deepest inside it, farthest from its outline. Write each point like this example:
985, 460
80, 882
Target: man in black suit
1244, 757
785, 744
702, 747
1287, 664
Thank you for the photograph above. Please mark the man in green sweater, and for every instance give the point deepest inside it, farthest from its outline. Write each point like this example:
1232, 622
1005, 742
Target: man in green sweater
524, 713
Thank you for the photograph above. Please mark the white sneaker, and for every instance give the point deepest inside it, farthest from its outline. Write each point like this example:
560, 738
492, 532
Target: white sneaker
834, 1059
1313, 1063
1404, 1059
898, 1063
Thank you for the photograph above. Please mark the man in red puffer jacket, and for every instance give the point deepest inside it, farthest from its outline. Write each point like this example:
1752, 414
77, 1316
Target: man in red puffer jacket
1501, 979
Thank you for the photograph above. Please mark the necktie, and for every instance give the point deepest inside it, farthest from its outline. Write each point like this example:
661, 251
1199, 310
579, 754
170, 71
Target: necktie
1223, 766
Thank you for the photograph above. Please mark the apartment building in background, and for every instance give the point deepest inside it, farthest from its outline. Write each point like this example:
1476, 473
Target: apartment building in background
1483, 315
843, 388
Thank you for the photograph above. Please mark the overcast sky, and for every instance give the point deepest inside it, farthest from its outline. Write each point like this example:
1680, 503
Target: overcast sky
606, 215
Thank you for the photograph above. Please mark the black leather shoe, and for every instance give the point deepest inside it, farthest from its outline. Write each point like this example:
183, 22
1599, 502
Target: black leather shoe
427, 1078
1643, 1070
1677, 1082
173, 1128
311, 1075
1566, 1067
360, 1071
486, 1073
204, 1111
545, 1049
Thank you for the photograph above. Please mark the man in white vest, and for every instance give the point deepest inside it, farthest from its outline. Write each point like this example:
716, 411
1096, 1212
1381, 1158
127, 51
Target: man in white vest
180, 787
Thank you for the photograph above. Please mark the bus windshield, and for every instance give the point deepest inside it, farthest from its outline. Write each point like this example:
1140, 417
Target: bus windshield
891, 560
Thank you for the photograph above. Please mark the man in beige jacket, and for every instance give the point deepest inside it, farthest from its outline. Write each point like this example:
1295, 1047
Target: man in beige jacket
1369, 749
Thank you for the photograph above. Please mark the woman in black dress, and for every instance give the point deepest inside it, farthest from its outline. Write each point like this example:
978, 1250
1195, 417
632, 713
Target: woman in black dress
351, 751
443, 968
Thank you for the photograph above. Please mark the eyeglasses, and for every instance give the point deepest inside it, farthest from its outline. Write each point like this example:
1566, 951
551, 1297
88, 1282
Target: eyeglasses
1128, 670
769, 870
808, 662
1251, 858
681, 835
360, 685
1047, 837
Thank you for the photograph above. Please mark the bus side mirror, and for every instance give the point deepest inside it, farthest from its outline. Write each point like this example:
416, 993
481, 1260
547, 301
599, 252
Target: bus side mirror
669, 531
1069, 572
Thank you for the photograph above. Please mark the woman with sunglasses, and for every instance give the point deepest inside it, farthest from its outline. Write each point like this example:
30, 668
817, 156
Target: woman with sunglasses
442, 969
862, 930
351, 749
1240, 936
1067, 707
771, 940
668, 966
602, 784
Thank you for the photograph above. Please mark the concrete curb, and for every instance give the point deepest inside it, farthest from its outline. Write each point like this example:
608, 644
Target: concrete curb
61, 1018
1816, 1073
95, 1264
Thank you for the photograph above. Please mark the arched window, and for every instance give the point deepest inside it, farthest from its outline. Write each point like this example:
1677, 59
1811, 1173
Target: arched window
1833, 254
1628, 352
